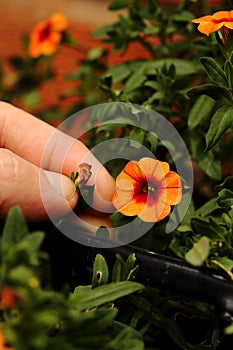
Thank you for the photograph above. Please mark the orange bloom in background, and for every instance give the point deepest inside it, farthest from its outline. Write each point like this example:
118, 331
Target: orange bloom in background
8, 298
212, 23
147, 188
46, 36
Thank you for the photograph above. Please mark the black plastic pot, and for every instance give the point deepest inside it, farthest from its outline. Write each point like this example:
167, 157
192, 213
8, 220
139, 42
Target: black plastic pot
155, 270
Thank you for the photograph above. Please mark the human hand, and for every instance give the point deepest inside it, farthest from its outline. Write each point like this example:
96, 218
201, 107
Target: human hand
27, 172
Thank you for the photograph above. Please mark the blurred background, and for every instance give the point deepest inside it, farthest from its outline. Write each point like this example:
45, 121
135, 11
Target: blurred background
17, 19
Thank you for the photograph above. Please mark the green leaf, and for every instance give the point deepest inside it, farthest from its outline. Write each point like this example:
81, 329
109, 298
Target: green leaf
218, 93
135, 81
136, 137
214, 71
95, 322
15, 228
220, 122
18, 62
33, 241
120, 72
208, 208
209, 228
21, 275
229, 330
126, 338
227, 183
100, 271
182, 67
199, 252
184, 16
225, 198
118, 4
103, 294
117, 269
228, 68
95, 53
152, 141
68, 39
31, 99
102, 31
129, 266
225, 264
206, 160
200, 111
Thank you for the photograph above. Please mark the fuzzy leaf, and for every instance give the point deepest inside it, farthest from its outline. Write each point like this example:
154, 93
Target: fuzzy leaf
228, 68
200, 111
118, 4
218, 93
227, 183
100, 271
220, 122
15, 227
103, 294
225, 198
211, 229
214, 71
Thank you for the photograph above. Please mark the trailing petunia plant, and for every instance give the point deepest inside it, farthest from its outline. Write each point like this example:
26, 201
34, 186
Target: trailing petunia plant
187, 77
182, 68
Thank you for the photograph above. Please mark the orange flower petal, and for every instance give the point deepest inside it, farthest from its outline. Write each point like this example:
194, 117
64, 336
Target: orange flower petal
132, 171
59, 22
132, 208
153, 168
222, 15
155, 213
212, 23
173, 188
229, 25
123, 195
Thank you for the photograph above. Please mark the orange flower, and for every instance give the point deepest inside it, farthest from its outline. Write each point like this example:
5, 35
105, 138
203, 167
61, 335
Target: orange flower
148, 189
9, 298
212, 23
46, 36
3, 345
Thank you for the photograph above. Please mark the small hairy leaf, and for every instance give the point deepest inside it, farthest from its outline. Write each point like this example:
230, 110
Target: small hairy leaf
103, 294
200, 111
220, 122
214, 71
100, 271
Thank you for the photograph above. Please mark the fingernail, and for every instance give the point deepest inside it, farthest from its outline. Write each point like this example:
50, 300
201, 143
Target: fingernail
62, 185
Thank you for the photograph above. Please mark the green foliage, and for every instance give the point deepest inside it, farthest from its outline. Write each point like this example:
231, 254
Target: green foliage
110, 313
186, 77
40, 318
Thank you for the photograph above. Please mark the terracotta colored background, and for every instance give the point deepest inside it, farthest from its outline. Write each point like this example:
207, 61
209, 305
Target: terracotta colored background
18, 17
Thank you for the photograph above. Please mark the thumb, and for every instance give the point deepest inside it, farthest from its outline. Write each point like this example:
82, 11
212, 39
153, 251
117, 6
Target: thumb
23, 183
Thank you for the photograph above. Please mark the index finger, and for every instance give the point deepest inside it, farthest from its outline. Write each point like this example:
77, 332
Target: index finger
48, 147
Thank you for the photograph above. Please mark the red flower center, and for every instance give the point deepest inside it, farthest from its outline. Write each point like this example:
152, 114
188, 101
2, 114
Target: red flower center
145, 191
217, 21
45, 32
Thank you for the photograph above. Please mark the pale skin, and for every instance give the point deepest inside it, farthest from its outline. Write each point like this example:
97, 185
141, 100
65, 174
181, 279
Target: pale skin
28, 169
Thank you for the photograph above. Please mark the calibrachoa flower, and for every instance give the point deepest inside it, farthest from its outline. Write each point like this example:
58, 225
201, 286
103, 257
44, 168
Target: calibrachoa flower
46, 36
147, 188
212, 23
8, 298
